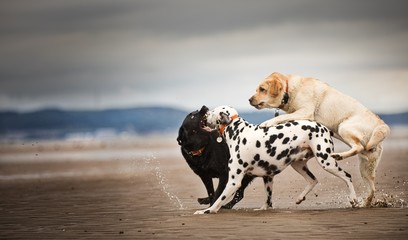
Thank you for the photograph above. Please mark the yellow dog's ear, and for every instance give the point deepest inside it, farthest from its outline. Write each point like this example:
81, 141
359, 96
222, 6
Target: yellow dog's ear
275, 81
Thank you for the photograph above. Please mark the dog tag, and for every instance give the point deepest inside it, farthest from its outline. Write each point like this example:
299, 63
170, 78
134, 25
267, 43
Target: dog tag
219, 139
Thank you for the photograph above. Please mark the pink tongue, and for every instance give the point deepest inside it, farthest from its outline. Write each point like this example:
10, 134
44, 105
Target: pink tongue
208, 129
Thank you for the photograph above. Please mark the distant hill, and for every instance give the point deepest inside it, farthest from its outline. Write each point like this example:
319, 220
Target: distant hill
54, 123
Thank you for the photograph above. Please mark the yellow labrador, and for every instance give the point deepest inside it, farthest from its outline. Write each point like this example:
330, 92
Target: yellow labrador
311, 99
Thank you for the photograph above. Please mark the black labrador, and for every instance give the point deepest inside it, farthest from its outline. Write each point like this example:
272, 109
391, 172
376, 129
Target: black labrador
207, 154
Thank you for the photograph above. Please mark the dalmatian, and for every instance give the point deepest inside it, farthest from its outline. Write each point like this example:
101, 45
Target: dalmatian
265, 152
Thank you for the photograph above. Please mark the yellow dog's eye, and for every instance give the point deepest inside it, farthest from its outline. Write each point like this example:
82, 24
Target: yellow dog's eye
262, 90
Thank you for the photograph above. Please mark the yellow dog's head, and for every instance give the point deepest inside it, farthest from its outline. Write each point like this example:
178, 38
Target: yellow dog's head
270, 93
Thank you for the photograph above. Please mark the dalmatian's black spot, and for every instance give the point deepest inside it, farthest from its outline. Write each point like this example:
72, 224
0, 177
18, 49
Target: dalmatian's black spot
294, 138
294, 151
236, 148
271, 152
288, 160
245, 164
223, 197
325, 140
288, 124
253, 162
279, 127
244, 141
328, 164
319, 147
294, 122
240, 162
328, 150
280, 135
283, 154
310, 136
285, 140
239, 171
256, 157
304, 128
324, 156
239, 156
347, 174
272, 139
258, 144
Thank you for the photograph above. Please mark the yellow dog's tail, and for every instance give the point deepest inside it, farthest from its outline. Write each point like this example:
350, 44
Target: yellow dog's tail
378, 135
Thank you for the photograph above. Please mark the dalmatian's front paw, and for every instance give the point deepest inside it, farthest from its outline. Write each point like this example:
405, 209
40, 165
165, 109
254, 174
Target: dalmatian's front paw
205, 211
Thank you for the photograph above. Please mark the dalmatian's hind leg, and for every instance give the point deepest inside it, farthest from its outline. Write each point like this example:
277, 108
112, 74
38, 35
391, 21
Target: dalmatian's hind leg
302, 169
268, 183
329, 164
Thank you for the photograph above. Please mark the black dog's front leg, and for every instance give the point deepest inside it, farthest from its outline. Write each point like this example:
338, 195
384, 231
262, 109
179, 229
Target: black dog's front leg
208, 183
220, 188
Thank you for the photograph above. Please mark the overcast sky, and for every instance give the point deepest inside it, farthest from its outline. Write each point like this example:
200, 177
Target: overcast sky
101, 53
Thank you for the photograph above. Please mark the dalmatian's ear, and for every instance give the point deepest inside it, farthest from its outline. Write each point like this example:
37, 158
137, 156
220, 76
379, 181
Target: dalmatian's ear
224, 118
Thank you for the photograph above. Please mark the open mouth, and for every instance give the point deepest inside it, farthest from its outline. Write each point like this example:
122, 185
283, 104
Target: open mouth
204, 125
259, 106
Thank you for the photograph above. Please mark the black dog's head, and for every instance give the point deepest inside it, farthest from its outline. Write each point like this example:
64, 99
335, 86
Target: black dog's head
193, 133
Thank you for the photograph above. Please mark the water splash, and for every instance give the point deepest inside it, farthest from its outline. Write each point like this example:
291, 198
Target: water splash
390, 201
152, 164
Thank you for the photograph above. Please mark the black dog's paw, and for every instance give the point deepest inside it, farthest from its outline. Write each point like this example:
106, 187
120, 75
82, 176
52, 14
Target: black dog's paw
203, 201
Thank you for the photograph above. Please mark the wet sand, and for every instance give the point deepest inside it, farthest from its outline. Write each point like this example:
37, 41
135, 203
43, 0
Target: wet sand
143, 189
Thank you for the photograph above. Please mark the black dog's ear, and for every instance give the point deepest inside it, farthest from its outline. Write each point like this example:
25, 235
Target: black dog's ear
204, 110
180, 136
225, 119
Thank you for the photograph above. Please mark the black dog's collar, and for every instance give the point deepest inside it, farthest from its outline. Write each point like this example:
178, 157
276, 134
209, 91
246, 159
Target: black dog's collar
197, 152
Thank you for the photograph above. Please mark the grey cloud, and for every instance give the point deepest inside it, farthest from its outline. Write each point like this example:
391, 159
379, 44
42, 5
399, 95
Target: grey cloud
79, 48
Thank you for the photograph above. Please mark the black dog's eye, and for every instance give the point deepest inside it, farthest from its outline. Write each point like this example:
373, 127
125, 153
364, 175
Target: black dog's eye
194, 131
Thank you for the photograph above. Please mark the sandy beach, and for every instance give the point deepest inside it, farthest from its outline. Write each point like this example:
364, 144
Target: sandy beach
141, 188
